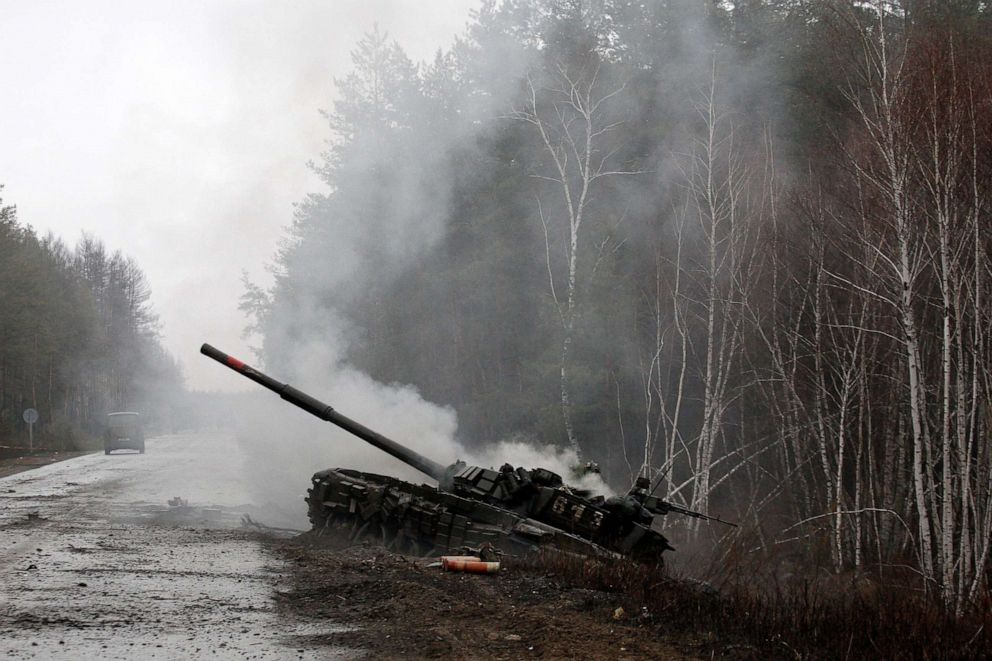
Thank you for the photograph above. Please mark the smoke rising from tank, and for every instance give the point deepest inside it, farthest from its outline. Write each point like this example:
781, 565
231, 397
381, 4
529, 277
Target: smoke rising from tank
392, 199
284, 445
377, 231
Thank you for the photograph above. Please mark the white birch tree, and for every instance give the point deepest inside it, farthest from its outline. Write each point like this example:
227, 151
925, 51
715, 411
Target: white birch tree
571, 113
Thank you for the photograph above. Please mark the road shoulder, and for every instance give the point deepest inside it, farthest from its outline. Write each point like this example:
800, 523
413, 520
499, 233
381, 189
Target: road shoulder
13, 465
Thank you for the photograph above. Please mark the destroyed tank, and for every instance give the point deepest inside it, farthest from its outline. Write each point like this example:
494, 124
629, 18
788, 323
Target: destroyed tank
510, 510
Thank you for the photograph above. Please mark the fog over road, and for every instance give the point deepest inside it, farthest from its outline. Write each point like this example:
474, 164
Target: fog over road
95, 562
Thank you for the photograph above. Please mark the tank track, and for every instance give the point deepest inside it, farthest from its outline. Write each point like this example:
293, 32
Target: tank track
422, 520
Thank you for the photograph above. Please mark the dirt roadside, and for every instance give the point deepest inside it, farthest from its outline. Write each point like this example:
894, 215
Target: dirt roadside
14, 465
398, 608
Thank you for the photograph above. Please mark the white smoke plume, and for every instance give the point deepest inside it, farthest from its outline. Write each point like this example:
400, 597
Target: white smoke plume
284, 446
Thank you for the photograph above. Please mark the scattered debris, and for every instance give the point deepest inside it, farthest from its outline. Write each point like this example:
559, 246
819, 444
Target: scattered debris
470, 564
248, 522
445, 559
392, 612
486, 552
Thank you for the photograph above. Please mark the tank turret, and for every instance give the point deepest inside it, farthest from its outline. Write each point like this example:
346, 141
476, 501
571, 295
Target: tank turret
512, 509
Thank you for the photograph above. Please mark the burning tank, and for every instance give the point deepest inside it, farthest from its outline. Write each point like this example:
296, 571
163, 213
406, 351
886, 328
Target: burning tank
510, 510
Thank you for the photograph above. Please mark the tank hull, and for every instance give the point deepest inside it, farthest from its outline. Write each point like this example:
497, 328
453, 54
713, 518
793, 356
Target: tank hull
515, 510
422, 520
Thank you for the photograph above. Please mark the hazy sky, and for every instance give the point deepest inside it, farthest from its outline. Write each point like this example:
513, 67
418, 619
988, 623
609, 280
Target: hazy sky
179, 133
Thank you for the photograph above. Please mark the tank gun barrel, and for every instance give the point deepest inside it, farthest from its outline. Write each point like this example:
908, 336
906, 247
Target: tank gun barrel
658, 506
315, 407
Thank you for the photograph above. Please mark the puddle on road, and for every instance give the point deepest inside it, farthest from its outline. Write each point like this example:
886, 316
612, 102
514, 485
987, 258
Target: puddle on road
183, 516
192, 516
321, 635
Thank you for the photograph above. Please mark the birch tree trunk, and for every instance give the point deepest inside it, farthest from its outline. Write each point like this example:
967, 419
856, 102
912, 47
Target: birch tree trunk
578, 161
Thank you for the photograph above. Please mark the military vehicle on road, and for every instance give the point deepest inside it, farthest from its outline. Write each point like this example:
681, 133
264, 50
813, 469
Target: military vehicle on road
124, 432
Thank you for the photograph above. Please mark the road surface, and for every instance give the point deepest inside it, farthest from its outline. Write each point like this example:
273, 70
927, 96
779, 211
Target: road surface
96, 563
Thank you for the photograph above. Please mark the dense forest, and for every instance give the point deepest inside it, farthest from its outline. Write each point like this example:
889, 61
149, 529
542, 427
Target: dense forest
741, 247
78, 339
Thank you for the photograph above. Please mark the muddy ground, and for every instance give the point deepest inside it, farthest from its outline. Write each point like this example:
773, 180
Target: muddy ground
143, 556
398, 608
132, 556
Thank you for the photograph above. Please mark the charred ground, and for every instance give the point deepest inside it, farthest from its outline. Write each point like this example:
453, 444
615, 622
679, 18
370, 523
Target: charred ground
400, 608
96, 562
395, 606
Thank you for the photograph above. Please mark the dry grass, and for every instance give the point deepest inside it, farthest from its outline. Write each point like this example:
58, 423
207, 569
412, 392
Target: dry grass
810, 617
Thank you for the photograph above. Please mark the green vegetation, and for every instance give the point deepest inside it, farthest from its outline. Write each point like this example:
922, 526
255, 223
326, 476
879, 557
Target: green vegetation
77, 339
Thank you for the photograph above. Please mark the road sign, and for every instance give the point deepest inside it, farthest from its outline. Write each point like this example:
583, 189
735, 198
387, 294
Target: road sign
30, 417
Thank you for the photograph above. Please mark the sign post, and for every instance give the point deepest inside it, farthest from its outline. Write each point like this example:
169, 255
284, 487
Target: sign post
30, 417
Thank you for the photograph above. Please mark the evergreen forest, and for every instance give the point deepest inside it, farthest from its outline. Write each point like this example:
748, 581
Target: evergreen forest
78, 339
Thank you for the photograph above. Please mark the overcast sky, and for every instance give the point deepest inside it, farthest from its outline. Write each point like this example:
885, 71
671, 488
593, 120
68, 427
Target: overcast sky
179, 133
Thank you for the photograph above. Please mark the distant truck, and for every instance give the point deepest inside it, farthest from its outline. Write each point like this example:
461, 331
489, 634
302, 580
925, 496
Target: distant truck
124, 432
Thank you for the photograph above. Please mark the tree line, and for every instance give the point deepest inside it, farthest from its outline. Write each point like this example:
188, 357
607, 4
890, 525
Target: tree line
78, 338
742, 248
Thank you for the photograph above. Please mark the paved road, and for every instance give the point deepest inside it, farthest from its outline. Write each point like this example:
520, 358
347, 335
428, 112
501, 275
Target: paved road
95, 562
